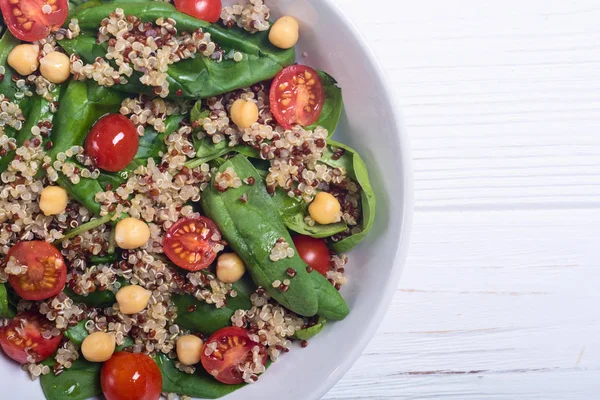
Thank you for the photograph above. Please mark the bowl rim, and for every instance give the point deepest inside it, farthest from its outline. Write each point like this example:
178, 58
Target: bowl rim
406, 221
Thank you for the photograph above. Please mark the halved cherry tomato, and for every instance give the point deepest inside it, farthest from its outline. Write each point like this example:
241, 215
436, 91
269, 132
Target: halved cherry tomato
297, 96
314, 252
23, 336
190, 243
112, 142
206, 10
234, 349
127, 376
46, 270
32, 20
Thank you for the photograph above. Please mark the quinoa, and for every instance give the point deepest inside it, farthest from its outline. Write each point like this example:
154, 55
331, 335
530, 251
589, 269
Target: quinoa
281, 250
253, 16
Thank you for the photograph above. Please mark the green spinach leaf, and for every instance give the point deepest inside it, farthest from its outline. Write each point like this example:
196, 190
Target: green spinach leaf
198, 77
6, 309
310, 332
199, 385
80, 382
332, 108
357, 170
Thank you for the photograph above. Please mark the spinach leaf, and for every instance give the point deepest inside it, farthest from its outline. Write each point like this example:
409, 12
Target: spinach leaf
80, 382
6, 309
199, 385
332, 108
206, 318
310, 332
252, 228
293, 211
104, 298
357, 170
198, 77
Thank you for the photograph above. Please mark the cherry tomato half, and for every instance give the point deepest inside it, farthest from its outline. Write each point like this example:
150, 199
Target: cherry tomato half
23, 337
190, 243
127, 376
297, 96
314, 252
46, 270
206, 10
112, 142
32, 20
234, 348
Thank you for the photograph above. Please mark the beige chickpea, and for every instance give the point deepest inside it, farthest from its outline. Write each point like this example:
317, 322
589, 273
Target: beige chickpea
284, 33
325, 209
244, 113
131, 233
189, 349
53, 200
98, 347
55, 67
133, 299
230, 268
24, 58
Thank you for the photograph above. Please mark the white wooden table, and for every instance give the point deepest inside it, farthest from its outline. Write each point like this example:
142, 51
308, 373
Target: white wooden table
500, 298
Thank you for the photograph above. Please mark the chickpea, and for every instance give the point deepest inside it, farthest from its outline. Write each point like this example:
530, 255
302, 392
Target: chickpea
133, 299
53, 200
325, 209
244, 113
284, 32
131, 233
230, 268
189, 349
98, 347
24, 58
55, 67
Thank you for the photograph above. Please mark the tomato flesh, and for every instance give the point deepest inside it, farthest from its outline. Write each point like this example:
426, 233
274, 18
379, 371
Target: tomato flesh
206, 10
234, 349
46, 270
127, 376
190, 243
297, 96
314, 252
23, 337
32, 20
112, 142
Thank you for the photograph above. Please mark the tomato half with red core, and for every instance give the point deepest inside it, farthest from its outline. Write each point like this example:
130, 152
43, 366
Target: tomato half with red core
314, 252
46, 270
232, 349
27, 338
127, 376
191, 243
32, 20
206, 10
297, 96
112, 142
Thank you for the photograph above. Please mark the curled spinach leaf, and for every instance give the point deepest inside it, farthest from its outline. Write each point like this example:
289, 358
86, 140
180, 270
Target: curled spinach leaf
312, 331
332, 108
198, 77
357, 170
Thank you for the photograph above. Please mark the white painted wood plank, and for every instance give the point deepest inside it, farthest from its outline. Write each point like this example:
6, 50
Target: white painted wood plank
502, 101
492, 305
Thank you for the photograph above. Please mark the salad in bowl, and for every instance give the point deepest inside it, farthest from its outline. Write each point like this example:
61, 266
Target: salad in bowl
174, 214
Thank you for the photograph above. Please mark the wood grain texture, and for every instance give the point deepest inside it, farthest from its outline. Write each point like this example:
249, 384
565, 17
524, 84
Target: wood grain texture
499, 298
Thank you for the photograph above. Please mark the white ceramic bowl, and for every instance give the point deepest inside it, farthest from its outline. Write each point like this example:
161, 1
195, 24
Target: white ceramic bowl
371, 124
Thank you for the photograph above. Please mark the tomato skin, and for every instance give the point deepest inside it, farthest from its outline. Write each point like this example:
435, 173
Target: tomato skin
33, 324
46, 270
206, 10
297, 96
128, 376
189, 243
31, 23
112, 142
235, 347
314, 252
